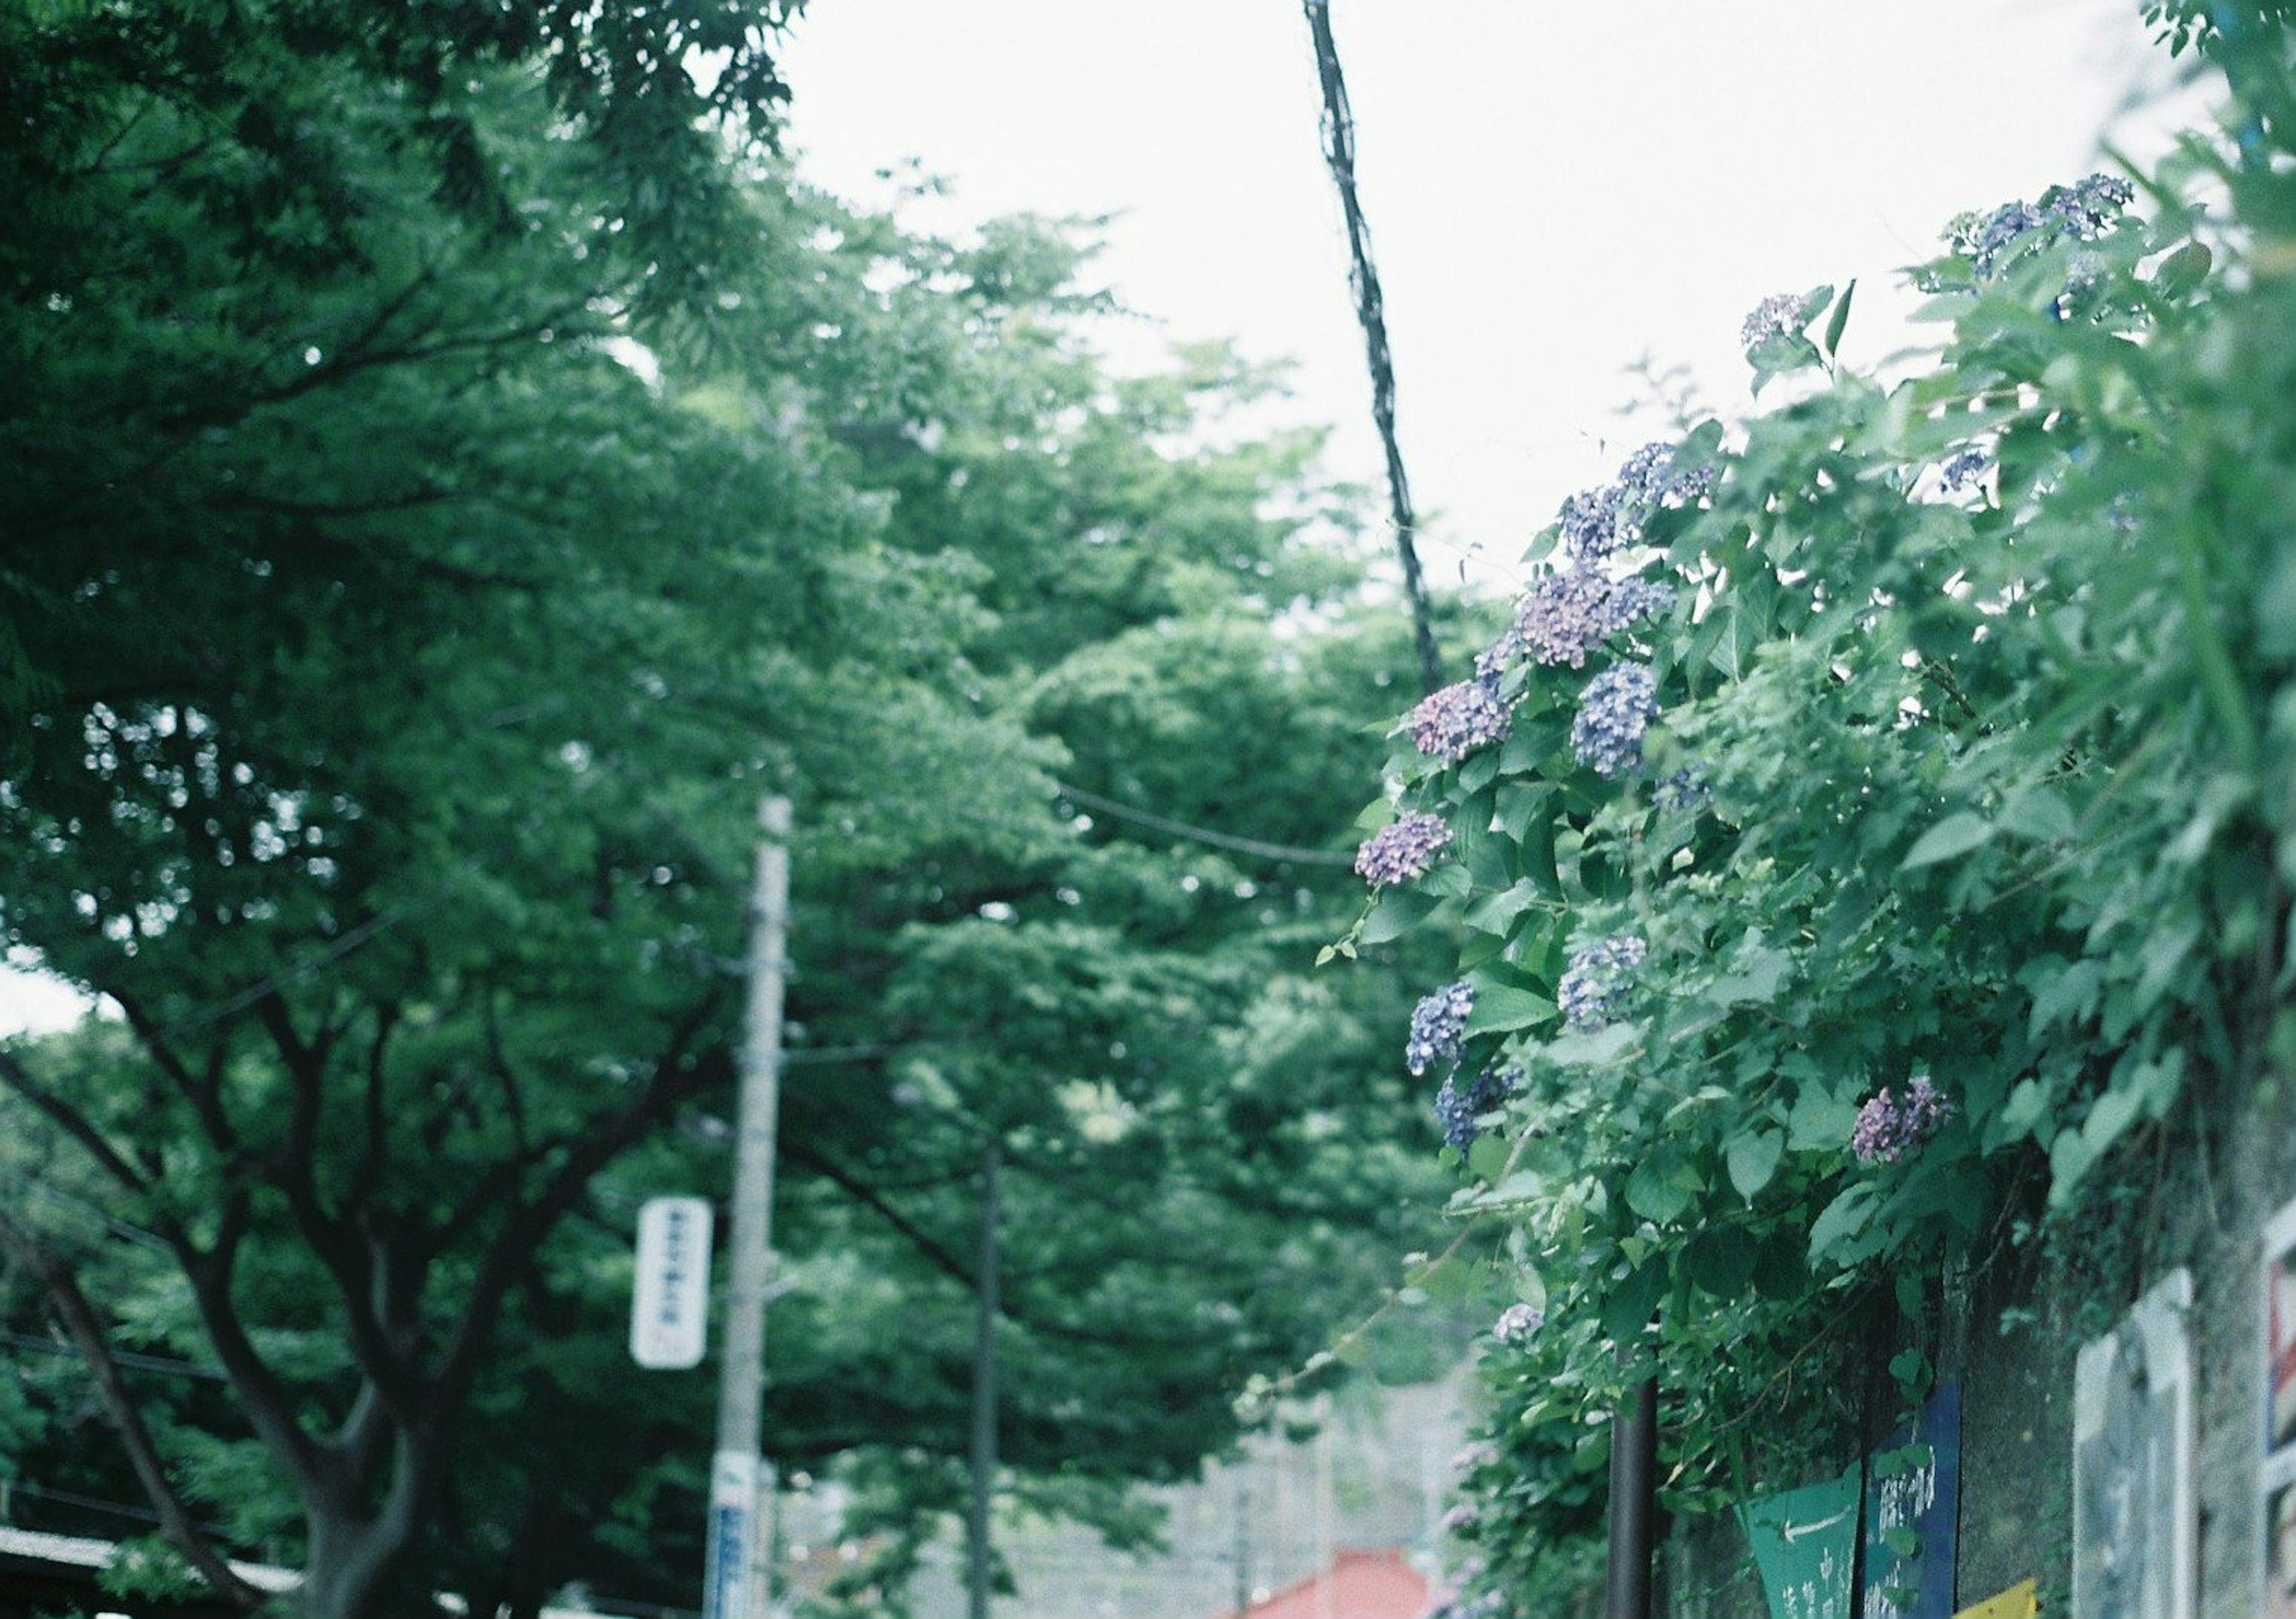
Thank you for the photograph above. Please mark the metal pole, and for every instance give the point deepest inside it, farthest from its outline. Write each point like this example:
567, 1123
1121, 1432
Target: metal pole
739, 1481
1634, 1487
984, 1392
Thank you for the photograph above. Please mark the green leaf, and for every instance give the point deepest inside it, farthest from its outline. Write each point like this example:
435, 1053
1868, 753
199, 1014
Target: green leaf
1627, 1311
1487, 1159
2069, 991
1500, 1008
1841, 1220
1655, 1190
1955, 836
1395, 912
1821, 1120
1760, 972
1840, 319
1752, 1159
2027, 1103
1720, 1261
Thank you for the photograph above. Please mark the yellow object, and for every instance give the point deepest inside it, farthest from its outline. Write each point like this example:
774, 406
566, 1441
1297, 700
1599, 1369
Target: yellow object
2018, 1602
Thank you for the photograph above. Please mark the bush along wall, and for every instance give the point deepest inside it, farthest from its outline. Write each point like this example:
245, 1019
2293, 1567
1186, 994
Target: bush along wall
1868, 847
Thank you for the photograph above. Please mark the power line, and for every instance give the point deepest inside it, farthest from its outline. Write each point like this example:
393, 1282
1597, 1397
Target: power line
126, 1357
1288, 853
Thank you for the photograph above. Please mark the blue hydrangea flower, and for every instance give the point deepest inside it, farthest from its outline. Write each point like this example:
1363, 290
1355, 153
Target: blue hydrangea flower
2088, 207
1452, 722
1962, 471
1400, 853
1600, 980
1457, 1110
1683, 791
1615, 710
1438, 1028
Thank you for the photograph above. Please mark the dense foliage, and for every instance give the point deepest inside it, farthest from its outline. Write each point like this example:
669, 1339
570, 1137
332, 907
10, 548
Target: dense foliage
449, 473
1877, 816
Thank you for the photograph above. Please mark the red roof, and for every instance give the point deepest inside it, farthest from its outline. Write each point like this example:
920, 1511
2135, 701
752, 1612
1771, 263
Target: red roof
1359, 1585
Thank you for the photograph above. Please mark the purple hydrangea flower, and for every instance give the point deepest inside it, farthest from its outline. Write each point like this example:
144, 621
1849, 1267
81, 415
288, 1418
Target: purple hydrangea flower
1888, 1126
1400, 853
1458, 1110
1518, 1322
1778, 315
1596, 985
1438, 1027
1615, 710
1567, 615
1452, 722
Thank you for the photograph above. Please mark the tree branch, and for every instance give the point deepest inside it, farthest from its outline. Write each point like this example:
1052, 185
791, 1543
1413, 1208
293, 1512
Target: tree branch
86, 1333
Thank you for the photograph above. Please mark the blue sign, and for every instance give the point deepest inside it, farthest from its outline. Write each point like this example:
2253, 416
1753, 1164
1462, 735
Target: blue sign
1912, 1514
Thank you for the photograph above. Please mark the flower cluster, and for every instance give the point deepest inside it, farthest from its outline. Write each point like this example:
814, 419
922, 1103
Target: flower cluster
1438, 1028
1565, 616
1778, 315
1517, 1322
1452, 722
1887, 1128
1682, 791
1614, 710
1594, 524
1962, 471
2088, 207
2084, 211
1458, 1110
1399, 852
1654, 480
1595, 986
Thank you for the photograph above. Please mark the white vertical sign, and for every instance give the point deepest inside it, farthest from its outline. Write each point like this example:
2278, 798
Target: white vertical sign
670, 1303
732, 1539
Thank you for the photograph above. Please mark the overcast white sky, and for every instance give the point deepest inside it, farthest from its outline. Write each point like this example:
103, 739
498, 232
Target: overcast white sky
1554, 191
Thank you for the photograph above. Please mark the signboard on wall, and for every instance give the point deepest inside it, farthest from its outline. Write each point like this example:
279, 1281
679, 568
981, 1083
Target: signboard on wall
2276, 1475
1912, 1514
2134, 1522
2020, 1601
1805, 1546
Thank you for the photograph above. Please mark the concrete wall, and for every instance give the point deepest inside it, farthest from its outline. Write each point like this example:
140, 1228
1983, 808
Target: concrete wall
2197, 1194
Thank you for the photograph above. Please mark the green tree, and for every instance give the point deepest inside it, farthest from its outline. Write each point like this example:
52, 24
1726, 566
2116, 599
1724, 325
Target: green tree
396, 665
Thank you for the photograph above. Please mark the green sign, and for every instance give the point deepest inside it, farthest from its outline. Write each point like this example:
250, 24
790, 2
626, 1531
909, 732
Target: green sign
1805, 1547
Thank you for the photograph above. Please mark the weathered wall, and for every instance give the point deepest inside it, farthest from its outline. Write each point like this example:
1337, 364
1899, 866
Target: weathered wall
2197, 1193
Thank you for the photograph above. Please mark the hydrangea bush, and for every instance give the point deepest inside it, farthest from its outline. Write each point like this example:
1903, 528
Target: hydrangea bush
1877, 814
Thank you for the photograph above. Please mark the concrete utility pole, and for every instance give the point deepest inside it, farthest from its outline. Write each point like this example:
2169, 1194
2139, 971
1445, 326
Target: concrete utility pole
741, 1486
984, 1391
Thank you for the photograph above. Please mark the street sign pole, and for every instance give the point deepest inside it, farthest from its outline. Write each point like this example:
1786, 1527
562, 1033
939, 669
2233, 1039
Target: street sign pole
741, 1485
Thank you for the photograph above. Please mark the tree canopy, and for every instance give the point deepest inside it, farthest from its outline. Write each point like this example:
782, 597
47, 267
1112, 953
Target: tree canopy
450, 472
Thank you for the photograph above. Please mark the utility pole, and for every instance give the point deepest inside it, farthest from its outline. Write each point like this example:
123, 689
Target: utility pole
1243, 1536
741, 1485
1634, 1479
984, 1391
